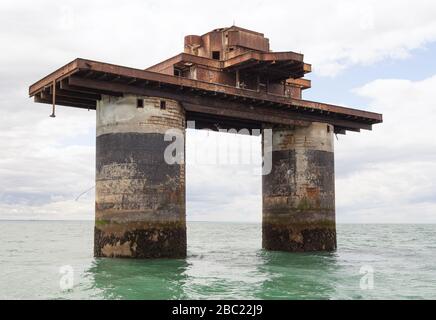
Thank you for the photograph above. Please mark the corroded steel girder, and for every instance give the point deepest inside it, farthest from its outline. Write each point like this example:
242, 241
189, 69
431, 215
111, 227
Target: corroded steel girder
83, 77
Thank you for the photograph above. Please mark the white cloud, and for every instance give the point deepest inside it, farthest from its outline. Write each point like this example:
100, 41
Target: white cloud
45, 163
54, 210
389, 175
220, 186
332, 35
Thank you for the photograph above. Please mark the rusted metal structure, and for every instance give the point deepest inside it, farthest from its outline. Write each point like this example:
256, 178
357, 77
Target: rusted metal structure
227, 78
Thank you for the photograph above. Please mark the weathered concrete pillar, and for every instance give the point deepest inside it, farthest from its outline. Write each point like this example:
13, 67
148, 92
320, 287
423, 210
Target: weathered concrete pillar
140, 198
298, 194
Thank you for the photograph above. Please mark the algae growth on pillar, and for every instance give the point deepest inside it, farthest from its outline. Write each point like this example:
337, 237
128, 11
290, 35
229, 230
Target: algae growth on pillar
140, 198
299, 192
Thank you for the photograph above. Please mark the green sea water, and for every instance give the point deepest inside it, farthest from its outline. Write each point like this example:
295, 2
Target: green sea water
225, 261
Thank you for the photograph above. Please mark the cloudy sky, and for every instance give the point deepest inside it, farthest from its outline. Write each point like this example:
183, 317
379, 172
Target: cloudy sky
373, 55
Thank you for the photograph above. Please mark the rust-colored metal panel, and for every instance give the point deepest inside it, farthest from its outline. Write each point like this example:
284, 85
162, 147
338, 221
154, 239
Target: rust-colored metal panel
212, 100
248, 40
261, 56
57, 75
302, 83
192, 43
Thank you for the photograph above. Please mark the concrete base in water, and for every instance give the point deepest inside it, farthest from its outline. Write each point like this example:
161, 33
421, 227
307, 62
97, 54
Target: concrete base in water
298, 194
140, 198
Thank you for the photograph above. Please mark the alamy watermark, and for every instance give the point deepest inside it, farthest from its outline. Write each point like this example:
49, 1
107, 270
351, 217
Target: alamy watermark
67, 279
223, 151
367, 280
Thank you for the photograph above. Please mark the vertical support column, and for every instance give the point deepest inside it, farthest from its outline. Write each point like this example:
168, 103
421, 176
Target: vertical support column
140, 198
298, 194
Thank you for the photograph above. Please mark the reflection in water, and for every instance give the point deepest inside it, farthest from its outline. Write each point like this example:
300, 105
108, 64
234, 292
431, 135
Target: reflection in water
224, 269
298, 275
138, 279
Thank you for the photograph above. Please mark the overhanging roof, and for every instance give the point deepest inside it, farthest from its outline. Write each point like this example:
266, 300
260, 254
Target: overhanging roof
82, 82
278, 65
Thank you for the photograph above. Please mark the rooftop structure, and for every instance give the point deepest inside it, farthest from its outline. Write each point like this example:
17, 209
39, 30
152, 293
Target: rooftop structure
232, 68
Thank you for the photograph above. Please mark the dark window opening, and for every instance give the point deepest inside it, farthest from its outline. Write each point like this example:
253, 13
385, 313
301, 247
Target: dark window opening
216, 55
163, 104
177, 72
140, 103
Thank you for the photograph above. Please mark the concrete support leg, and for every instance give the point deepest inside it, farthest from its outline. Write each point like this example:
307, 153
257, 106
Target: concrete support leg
140, 198
298, 194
